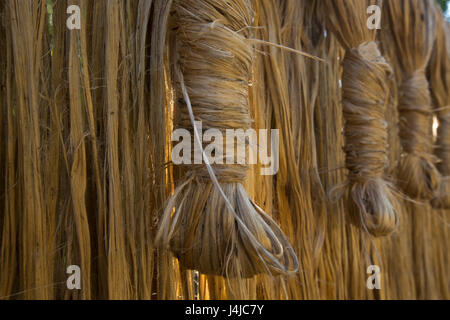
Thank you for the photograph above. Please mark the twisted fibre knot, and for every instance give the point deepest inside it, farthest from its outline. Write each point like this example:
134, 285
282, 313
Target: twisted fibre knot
364, 104
417, 175
365, 97
216, 228
216, 62
225, 173
416, 115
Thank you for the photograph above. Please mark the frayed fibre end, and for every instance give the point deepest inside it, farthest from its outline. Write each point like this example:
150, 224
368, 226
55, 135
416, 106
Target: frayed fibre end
418, 177
206, 236
377, 205
442, 199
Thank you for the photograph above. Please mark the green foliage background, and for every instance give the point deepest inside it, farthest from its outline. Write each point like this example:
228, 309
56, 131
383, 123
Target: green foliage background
443, 4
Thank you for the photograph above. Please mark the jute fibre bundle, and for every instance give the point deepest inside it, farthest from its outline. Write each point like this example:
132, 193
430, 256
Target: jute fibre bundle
29, 221
325, 94
412, 26
291, 199
439, 75
420, 239
365, 97
215, 228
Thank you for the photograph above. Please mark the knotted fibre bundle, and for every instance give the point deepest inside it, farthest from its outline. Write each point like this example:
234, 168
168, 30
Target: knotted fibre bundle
210, 224
439, 75
365, 95
412, 26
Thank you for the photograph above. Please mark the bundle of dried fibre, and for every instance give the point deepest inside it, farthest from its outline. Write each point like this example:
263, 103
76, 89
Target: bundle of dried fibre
365, 94
439, 77
215, 228
408, 34
412, 26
